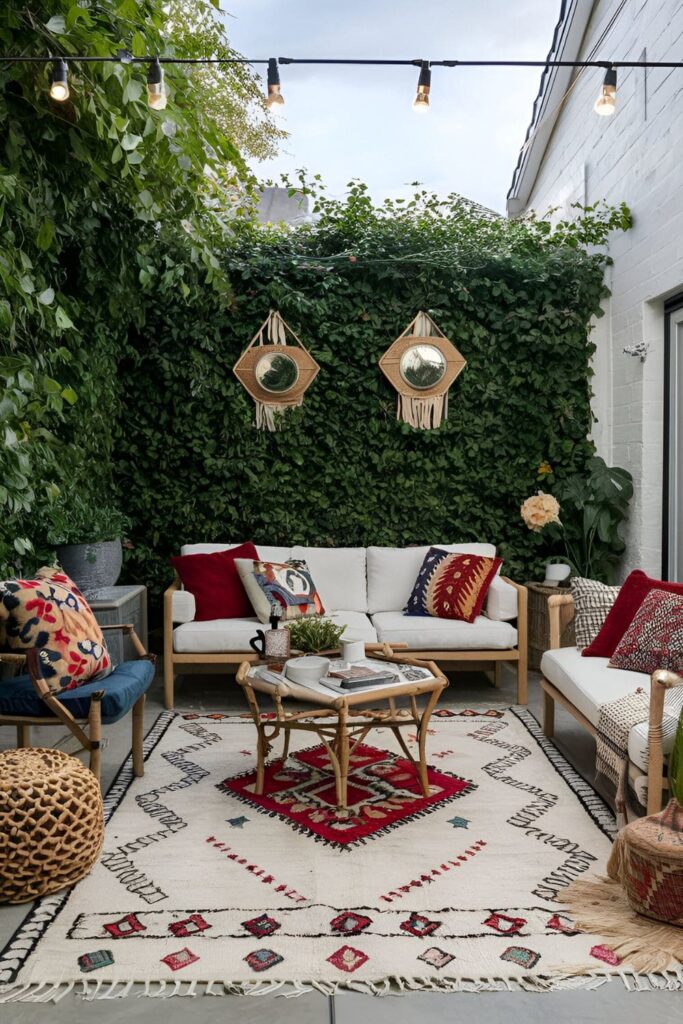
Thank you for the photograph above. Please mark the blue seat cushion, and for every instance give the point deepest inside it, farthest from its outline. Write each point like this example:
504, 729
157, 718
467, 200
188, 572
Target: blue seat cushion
122, 688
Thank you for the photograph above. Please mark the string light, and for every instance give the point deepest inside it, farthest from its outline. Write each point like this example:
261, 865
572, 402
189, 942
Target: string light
156, 90
606, 103
275, 101
59, 82
424, 84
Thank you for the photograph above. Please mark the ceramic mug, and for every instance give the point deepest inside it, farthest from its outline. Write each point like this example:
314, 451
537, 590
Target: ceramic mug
352, 650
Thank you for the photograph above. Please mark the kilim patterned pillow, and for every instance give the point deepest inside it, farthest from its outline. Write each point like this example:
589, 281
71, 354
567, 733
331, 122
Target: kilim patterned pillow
592, 602
655, 637
49, 620
287, 584
452, 586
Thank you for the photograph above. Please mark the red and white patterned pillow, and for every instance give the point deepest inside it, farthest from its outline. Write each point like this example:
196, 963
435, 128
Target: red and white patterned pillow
654, 639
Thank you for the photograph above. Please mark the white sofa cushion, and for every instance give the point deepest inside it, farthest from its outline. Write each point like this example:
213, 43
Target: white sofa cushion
339, 575
501, 600
588, 684
392, 572
423, 632
217, 636
183, 606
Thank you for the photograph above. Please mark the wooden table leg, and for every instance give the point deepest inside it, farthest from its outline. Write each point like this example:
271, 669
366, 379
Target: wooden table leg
343, 755
422, 735
261, 754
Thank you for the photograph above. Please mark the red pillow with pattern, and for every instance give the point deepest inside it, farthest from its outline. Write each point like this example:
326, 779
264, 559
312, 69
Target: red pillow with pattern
452, 586
654, 639
49, 620
620, 616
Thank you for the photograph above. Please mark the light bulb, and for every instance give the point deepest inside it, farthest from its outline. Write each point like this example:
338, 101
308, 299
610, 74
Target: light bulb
156, 90
606, 103
424, 82
59, 84
275, 101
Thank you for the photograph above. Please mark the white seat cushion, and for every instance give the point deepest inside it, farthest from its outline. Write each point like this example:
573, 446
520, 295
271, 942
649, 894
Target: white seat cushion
339, 575
217, 636
392, 572
588, 683
358, 625
424, 633
268, 554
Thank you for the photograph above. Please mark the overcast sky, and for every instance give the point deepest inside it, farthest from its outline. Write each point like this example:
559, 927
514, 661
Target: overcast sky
357, 122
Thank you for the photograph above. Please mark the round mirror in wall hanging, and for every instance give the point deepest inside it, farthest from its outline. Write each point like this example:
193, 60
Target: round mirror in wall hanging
422, 366
276, 372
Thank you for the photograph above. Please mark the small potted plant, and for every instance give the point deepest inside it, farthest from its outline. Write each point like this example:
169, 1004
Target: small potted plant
314, 635
87, 536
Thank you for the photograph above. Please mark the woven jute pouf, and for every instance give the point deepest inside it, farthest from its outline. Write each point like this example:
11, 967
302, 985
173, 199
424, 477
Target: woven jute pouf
647, 860
51, 822
639, 908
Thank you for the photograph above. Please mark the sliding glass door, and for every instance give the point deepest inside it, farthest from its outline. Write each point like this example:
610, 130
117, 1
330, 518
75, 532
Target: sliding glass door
673, 442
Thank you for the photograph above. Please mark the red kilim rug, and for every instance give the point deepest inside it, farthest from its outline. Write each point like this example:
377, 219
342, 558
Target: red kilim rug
383, 793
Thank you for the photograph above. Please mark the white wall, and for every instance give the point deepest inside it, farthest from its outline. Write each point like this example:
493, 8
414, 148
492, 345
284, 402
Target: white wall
635, 156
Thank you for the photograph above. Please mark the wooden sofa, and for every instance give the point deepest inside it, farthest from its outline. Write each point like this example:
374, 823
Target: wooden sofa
365, 590
582, 685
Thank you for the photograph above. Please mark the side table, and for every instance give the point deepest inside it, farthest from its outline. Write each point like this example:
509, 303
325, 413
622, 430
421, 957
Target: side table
342, 722
539, 622
114, 606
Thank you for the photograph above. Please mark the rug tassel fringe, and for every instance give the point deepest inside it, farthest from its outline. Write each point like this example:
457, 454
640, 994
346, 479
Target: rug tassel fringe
667, 980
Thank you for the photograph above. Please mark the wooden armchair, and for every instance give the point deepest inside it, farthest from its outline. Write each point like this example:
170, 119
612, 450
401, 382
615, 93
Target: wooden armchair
84, 709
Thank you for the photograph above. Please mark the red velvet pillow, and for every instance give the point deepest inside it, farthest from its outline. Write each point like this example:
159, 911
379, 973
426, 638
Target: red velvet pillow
622, 613
215, 583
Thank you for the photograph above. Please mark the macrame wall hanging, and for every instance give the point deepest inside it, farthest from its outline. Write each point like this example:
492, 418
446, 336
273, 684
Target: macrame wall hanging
275, 368
422, 364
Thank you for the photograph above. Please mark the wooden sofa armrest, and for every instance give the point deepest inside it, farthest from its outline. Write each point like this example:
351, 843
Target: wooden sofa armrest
556, 602
661, 681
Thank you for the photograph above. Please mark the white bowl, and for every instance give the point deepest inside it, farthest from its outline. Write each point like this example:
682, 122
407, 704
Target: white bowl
306, 670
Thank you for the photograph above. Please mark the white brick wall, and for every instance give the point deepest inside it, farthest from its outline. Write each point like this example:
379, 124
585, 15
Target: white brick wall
635, 156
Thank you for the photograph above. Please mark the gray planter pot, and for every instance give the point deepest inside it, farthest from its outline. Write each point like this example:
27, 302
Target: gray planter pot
92, 566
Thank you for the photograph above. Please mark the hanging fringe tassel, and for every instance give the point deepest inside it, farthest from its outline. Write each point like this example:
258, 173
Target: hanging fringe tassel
423, 413
271, 417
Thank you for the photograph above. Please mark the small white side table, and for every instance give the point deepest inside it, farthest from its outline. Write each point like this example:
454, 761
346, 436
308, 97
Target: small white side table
117, 606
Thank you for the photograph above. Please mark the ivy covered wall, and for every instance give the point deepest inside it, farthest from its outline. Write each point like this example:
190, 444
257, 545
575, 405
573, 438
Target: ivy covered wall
516, 299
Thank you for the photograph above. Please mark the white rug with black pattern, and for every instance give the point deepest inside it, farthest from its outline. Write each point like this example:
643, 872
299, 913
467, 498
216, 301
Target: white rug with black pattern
204, 887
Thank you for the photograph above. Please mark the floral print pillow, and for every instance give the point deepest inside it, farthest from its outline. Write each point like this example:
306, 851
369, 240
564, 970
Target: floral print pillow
48, 618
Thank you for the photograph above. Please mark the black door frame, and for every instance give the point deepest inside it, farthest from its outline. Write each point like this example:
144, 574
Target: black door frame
670, 307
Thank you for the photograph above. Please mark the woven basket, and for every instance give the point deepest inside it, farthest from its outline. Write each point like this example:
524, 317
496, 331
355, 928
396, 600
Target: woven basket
647, 860
51, 822
539, 622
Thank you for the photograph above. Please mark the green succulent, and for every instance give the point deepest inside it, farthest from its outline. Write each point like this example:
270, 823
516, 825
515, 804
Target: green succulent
313, 634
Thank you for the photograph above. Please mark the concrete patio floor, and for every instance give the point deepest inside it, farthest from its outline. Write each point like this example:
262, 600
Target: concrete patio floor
213, 693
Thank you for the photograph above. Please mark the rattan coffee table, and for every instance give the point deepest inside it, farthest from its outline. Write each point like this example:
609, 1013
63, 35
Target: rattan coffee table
342, 722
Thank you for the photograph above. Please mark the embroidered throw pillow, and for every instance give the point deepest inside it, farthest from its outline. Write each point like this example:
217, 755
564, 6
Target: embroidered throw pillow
452, 586
592, 602
633, 591
655, 637
215, 582
288, 584
48, 618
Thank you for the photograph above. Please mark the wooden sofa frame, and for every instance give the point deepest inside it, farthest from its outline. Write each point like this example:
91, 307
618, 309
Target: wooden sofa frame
88, 731
174, 660
560, 612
